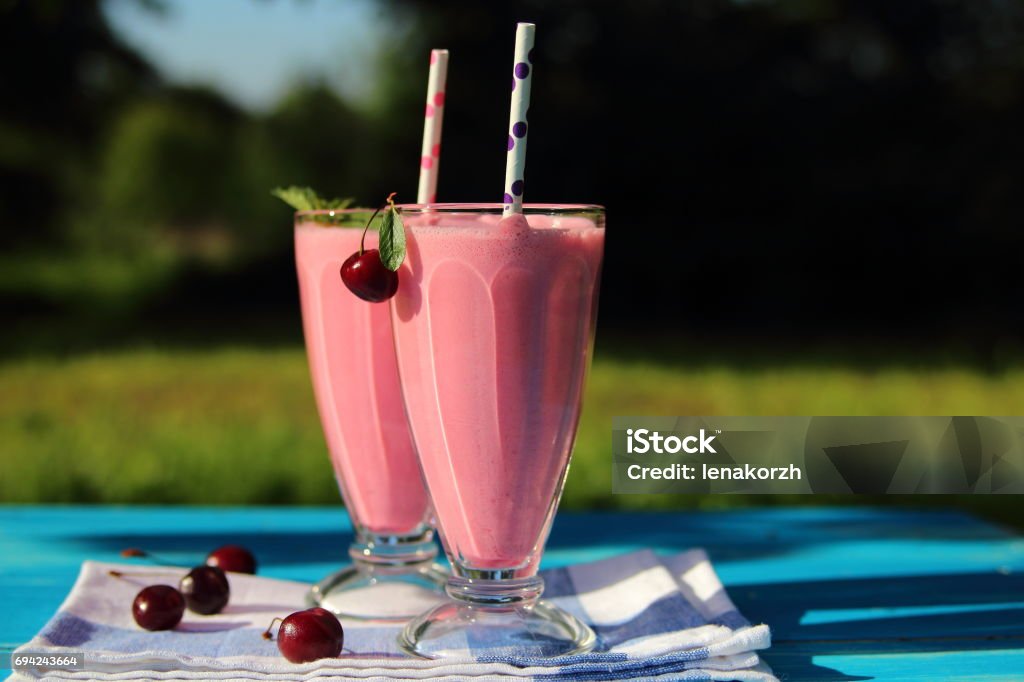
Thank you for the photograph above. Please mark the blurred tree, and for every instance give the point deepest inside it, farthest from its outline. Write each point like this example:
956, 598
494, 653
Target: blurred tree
811, 169
63, 73
324, 143
118, 180
187, 173
837, 168
162, 175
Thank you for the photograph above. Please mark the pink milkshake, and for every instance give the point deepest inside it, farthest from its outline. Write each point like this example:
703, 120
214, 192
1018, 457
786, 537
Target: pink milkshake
493, 327
352, 362
355, 380
494, 324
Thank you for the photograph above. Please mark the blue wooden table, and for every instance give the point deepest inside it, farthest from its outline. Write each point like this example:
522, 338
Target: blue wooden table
851, 594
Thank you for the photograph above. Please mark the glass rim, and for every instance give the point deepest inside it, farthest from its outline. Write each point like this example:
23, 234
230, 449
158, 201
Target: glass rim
333, 211
460, 207
497, 208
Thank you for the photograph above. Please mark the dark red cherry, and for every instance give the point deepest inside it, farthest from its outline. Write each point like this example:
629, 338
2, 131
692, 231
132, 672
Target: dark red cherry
158, 607
329, 619
367, 278
232, 558
310, 635
205, 589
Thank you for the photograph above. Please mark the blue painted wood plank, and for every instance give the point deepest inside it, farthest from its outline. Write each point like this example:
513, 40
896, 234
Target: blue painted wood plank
957, 604
844, 587
954, 664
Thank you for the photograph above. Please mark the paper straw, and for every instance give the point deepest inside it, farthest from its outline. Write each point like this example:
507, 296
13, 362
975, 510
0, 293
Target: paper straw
515, 161
430, 154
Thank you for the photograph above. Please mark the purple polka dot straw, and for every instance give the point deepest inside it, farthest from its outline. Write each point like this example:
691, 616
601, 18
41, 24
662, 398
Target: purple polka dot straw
515, 160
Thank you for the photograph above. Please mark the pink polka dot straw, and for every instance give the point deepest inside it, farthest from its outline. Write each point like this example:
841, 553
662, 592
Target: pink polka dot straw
515, 160
430, 153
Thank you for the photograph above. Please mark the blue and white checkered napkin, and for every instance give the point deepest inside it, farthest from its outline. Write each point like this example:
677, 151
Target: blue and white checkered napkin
655, 618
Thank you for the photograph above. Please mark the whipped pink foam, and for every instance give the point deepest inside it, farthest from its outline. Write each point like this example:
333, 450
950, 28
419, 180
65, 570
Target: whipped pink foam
355, 379
493, 321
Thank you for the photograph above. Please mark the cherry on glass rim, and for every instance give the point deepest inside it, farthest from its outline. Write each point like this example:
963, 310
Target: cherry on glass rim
366, 277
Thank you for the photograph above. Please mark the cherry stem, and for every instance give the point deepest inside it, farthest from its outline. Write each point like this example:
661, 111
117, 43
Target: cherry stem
390, 201
136, 574
133, 552
266, 633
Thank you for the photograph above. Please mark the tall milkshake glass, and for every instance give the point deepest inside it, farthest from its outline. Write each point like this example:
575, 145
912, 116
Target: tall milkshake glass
355, 379
493, 325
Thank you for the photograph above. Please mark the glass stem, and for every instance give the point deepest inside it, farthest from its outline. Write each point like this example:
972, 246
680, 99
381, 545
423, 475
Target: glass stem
495, 593
381, 553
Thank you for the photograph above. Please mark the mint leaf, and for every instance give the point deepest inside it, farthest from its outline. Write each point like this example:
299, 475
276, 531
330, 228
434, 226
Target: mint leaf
391, 238
334, 204
299, 198
305, 199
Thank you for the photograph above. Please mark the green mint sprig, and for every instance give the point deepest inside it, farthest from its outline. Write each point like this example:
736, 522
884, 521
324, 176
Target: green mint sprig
305, 199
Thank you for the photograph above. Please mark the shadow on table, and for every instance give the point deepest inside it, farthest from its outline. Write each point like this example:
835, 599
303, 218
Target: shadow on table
959, 605
185, 547
887, 615
800, 667
750, 534
740, 535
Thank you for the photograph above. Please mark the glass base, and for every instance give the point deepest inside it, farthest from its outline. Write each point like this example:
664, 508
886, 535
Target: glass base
496, 618
392, 578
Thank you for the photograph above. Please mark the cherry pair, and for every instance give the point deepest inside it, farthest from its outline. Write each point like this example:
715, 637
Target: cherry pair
204, 589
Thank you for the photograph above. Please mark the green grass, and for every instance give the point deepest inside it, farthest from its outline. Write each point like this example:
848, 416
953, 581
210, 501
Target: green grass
224, 426
239, 426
